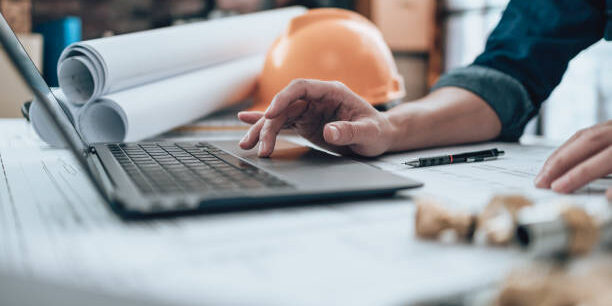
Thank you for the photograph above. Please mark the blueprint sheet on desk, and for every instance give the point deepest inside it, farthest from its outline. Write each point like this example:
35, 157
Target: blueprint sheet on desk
470, 185
53, 226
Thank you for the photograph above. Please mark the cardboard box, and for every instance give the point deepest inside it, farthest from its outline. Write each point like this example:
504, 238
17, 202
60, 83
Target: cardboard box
18, 14
407, 25
13, 90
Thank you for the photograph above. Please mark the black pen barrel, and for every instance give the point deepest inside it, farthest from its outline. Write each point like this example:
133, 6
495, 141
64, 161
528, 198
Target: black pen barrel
483, 153
434, 161
458, 158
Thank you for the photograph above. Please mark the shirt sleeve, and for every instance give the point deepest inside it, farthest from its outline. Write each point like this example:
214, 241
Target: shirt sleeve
526, 56
503, 93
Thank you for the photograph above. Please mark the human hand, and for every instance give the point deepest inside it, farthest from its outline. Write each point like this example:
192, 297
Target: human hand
328, 114
586, 156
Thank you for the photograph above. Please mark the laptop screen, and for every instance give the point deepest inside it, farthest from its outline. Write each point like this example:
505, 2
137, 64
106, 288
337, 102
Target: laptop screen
40, 89
50, 107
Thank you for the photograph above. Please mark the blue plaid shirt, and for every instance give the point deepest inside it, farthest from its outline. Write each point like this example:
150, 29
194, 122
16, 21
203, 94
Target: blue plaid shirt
527, 54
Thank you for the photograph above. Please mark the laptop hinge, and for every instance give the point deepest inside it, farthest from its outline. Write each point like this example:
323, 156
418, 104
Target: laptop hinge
100, 175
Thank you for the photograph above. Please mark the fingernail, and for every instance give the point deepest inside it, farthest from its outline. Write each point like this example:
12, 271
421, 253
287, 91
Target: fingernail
538, 180
262, 148
244, 139
560, 185
335, 133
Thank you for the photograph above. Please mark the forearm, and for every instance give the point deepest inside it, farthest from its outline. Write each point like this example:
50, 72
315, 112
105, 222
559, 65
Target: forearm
447, 116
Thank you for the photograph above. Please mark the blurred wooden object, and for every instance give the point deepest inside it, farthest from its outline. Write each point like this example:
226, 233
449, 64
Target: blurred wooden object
18, 14
13, 90
411, 29
407, 25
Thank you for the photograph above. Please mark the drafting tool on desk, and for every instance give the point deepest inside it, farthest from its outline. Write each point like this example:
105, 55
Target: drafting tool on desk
468, 157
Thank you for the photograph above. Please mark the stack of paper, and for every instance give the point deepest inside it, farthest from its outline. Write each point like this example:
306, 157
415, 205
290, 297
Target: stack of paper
134, 86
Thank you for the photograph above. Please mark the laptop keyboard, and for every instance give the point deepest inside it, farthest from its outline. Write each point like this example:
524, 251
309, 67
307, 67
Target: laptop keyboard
181, 168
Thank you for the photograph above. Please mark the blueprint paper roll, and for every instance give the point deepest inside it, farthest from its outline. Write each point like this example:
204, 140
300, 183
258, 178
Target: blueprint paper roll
148, 110
91, 69
145, 111
135, 86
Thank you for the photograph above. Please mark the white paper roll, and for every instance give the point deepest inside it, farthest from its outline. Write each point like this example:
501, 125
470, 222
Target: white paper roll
91, 69
145, 111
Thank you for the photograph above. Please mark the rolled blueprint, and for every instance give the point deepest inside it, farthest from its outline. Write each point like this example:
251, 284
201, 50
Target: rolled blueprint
151, 109
145, 111
91, 69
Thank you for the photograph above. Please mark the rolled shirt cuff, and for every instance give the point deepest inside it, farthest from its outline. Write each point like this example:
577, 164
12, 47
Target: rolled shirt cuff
503, 93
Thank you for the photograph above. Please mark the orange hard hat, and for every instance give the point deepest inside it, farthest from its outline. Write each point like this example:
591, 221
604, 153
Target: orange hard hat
331, 45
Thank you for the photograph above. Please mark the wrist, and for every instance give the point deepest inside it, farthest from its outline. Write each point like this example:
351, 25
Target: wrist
390, 132
403, 122
446, 116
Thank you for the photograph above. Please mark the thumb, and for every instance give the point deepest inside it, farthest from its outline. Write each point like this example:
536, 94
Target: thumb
343, 133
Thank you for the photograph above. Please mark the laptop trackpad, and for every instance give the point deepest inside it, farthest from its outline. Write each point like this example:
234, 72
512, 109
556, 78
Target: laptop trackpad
308, 167
287, 155
311, 169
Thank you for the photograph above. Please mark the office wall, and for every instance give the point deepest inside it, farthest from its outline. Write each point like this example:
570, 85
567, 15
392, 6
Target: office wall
584, 96
465, 26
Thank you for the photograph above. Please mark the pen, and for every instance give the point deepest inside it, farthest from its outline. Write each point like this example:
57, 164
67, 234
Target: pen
468, 157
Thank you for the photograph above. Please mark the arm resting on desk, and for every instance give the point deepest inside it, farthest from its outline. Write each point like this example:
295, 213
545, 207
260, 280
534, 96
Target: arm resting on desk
447, 116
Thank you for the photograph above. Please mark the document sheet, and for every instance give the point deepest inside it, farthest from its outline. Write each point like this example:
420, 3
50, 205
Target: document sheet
54, 227
470, 185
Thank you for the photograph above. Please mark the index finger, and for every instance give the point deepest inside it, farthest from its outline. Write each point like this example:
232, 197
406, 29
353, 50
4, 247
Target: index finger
593, 168
542, 181
301, 89
584, 145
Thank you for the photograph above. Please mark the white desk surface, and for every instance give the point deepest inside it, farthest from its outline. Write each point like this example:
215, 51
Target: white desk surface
54, 228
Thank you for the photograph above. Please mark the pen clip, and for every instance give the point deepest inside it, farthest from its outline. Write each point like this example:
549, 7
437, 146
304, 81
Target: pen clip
479, 158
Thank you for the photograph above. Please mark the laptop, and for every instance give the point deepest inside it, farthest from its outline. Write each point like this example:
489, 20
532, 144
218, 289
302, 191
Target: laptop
150, 179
